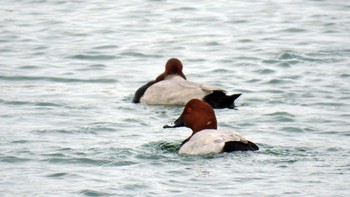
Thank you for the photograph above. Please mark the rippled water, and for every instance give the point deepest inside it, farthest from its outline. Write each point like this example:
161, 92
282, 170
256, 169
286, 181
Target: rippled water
68, 71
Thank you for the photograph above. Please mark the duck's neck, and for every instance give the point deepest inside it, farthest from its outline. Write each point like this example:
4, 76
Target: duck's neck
165, 75
187, 139
184, 142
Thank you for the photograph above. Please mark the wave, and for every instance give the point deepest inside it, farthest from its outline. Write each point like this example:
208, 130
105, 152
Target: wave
56, 79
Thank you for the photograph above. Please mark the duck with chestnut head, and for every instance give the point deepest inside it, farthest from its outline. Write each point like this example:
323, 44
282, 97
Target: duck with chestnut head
200, 117
172, 88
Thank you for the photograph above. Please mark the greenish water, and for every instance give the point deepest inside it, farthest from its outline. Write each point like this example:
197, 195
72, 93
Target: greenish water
68, 71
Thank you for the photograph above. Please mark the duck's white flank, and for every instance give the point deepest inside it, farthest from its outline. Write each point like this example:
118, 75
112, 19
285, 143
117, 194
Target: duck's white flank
175, 90
210, 141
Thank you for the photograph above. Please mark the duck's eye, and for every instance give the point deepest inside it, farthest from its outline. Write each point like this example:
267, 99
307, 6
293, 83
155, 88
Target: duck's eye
189, 110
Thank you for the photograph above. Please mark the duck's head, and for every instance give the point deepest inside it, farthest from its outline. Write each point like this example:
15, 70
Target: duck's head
197, 115
172, 67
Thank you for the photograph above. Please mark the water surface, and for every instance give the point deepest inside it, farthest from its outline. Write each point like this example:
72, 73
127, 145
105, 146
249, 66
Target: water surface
68, 71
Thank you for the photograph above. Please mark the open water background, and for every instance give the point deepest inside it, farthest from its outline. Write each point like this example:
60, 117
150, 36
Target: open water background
68, 71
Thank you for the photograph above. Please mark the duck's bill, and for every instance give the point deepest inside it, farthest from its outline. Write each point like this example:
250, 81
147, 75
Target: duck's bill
167, 126
177, 123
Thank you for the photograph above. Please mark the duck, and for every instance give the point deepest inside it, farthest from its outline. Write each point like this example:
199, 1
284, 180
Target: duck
200, 117
172, 88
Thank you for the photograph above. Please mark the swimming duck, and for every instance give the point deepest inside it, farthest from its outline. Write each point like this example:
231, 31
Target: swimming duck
172, 88
206, 138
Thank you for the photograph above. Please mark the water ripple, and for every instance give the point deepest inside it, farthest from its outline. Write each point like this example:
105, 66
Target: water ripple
69, 69
42, 104
56, 79
93, 57
94, 193
13, 159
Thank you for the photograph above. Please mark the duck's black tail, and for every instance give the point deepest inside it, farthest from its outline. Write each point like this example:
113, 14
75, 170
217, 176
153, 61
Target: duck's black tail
218, 99
239, 146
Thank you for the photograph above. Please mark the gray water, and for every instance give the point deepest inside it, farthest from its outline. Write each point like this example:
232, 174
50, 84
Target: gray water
68, 71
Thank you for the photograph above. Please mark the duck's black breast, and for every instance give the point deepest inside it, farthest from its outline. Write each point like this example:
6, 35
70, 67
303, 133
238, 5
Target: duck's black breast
139, 92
